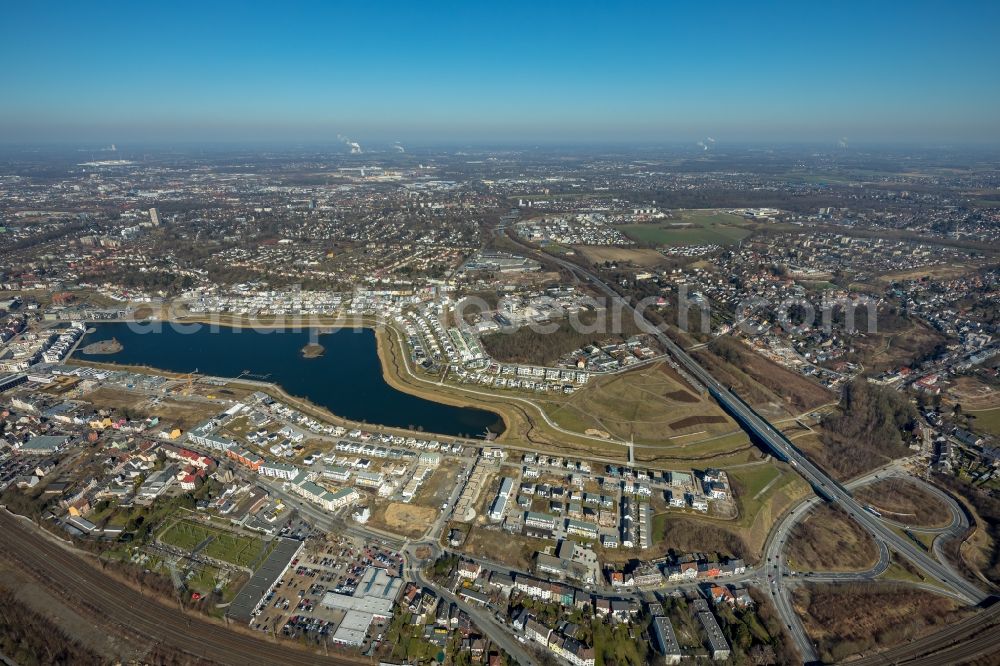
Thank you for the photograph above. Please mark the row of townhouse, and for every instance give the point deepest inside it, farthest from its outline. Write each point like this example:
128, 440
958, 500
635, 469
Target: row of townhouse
409, 491
556, 461
359, 441
278, 470
630, 487
603, 501
568, 596
59, 349
187, 456
245, 457
566, 647
304, 485
537, 588
696, 570
582, 528
368, 479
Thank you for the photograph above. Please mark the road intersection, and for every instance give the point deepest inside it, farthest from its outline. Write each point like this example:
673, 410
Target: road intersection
826, 488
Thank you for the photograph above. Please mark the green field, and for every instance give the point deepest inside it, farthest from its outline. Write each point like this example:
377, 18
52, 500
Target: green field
650, 405
750, 481
987, 420
244, 551
695, 227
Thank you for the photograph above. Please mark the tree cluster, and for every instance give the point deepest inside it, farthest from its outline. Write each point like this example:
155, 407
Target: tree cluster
27, 638
872, 426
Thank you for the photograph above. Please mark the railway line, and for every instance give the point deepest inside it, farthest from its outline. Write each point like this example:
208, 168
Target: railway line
144, 620
973, 637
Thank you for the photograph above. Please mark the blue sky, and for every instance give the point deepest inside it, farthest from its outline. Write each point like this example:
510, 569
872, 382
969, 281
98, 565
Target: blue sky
468, 71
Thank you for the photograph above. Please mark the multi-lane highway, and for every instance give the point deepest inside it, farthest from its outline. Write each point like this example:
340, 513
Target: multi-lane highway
779, 445
778, 575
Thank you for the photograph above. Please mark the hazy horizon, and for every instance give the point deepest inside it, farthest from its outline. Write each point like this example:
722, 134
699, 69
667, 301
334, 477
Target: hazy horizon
920, 73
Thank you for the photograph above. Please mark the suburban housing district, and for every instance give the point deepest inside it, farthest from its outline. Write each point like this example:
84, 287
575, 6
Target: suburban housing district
501, 407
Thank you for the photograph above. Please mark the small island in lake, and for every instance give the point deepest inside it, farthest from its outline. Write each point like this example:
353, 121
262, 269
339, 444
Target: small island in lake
111, 346
313, 350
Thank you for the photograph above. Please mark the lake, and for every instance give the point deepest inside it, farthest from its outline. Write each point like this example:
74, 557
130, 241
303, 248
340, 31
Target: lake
346, 379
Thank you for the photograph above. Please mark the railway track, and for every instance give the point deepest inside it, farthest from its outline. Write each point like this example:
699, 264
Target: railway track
146, 621
972, 637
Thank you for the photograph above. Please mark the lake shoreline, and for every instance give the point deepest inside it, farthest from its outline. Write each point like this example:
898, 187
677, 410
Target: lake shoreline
368, 396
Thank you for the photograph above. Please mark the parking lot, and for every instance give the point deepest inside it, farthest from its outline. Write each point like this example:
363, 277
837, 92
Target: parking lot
294, 609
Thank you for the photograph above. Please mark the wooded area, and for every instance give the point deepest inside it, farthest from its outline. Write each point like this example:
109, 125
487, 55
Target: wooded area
537, 347
871, 427
28, 638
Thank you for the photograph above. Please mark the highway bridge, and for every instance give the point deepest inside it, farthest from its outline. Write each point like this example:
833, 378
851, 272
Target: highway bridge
776, 443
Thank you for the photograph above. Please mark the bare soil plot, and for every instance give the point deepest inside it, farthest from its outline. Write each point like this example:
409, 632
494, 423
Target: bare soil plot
184, 414
680, 396
512, 549
407, 518
689, 421
640, 257
400, 518
973, 394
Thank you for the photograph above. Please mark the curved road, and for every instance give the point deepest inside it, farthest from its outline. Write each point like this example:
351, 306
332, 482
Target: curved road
781, 446
777, 570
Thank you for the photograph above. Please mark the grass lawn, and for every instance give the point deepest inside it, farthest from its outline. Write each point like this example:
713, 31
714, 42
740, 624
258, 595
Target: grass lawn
987, 420
696, 227
613, 645
755, 479
720, 451
203, 580
655, 234
558, 250
749, 482
650, 405
758, 509
901, 570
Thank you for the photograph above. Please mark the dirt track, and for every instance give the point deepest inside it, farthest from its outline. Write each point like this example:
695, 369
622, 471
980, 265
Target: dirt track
122, 609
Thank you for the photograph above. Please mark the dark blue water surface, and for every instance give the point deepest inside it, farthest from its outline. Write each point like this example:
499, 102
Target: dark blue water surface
347, 379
